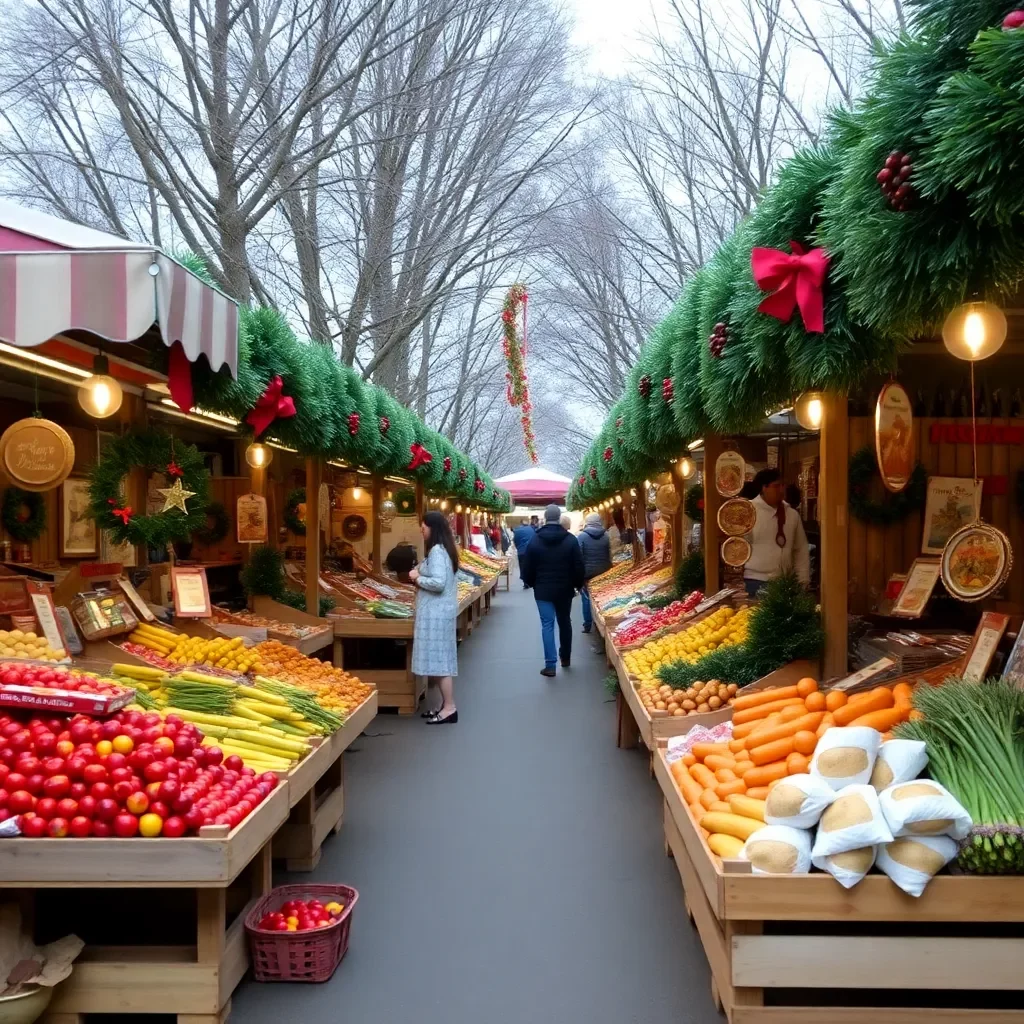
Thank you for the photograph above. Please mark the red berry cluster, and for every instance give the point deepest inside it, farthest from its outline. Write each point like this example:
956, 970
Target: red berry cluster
353, 423
644, 386
668, 390
583, 480
385, 425
462, 474
608, 454
593, 473
895, 177
618, 423
480, 485
717, 341
447, 464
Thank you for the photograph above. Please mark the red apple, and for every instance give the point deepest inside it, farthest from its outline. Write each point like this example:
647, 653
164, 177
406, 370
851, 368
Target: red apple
57, 828
107, 809
33, 828
126, 826
80, 827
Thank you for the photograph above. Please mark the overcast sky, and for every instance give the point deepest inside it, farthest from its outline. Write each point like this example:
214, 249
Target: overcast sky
610, 30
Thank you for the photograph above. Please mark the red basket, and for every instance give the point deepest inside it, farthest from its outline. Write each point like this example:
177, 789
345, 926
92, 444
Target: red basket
300, 956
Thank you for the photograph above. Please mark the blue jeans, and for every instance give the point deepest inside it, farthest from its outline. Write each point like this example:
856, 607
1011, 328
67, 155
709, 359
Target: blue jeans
549, 612
754, 587
588, 617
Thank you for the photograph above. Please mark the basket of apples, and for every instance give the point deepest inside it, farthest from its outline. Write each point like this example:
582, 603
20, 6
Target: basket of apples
300, 932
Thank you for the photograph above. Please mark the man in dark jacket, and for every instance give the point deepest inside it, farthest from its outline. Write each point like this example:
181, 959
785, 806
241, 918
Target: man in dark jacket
597, 558
521, 537
553, 566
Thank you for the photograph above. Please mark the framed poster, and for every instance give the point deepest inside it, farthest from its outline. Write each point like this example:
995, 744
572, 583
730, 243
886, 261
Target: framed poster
251, 519
191, 592
894, 436
953, 502
78, 534
917, 591
730, 474
983, 648
976, 561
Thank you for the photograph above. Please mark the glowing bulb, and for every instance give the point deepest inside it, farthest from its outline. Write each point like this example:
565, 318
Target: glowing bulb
357, 493
100, 395
975, 330
809, 409
618, 499
458, 508
647, 484
444, 506
687, 467
258, 455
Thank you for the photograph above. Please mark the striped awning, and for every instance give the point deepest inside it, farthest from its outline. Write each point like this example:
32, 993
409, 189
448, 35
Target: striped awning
48, 285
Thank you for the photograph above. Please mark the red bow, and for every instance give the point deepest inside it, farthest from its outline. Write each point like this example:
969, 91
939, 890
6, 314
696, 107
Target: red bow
123, 513
270, 405
173, 469
795, 280
420, 456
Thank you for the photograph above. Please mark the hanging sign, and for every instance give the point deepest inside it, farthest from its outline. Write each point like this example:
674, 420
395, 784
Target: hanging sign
894, 436
983, 647
730, 474
191, 592
976, 561
251, 519
42, 602
36, 454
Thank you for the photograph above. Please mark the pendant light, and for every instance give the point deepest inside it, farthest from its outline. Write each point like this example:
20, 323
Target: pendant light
809, 410
100, 395
258, 455
974, 331
687, 467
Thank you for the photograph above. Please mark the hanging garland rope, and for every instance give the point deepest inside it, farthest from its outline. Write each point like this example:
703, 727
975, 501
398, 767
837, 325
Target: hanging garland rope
517, 389
893, 508
291, 512
693, 504
24, 514
152, 452
216, 527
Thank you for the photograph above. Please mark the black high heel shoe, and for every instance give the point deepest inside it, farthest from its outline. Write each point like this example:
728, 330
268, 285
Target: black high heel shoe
451, 719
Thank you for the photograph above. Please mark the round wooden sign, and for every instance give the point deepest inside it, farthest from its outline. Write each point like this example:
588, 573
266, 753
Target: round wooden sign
736, 517
730, 474
894, 436
735, 551
37, 454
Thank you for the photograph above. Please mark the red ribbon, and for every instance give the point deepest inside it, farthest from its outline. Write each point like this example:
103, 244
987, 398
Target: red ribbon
270, 406
123, 513
179, 377
420, 456
173, 469
795, 280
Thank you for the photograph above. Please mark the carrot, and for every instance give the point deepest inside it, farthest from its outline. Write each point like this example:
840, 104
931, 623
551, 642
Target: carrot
745, 729
804, 742
815, 701
835, 699
793, 713
886, 736
764, 710
720, 805
707, 798
766, 723
807, 686
807, 722
690, 788
797, 763
774, 751
765, 775
902, 693
716, 761
882, 720
755, 700
735, 746
727, 789
688, 759
698, 810
726, 774
757, 792
742, 767
877, 700
705, 776
702, 750
826, 723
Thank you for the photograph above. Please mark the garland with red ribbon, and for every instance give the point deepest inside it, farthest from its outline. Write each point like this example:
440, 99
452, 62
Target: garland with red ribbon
517, 388
796, 281
271, 405
420, 456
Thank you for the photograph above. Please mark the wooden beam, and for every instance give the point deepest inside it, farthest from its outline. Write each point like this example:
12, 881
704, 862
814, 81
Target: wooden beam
376, 487
709, 530
639, 521
833, 487
314, 477
420, 510
677, 521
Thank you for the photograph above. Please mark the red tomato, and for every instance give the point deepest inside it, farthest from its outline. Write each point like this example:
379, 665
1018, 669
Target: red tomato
57, 786
107, 810
57, 828
174, 827
15, 780
123, 790
126, 826
233, 763
74, 767
21, 801
94, 773
46, 807
46, 742
122, 774
155, 771
87, 806
159, 808
102, 829
35, 783
33, 828
193, 819
115, 760
80, 827
67, 808
214, 755
29, 764
100, 790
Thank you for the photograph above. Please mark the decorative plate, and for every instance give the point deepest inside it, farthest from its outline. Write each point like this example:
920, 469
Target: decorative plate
736, 517
730, 474
36, 454
735, 551
667, 500
353, 527
894, 436
976, 561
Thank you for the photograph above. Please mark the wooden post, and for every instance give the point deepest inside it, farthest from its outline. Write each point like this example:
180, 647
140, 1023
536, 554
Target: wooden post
833, 499
314, 475
420, 510
376, 486
709, 530
677, 522
639, 521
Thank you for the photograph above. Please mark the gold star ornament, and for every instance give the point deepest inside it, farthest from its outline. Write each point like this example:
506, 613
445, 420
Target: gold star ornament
174, 497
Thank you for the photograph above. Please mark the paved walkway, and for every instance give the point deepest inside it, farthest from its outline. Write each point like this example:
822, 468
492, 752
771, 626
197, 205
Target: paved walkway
511, 867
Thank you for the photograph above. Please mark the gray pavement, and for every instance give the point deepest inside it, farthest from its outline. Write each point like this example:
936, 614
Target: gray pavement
511, 867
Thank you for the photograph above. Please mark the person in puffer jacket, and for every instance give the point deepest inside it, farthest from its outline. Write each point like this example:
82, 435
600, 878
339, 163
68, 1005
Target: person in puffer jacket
597, 558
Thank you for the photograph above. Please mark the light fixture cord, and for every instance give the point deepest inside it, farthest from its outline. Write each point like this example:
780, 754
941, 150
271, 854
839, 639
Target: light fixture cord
35, 392
974, 428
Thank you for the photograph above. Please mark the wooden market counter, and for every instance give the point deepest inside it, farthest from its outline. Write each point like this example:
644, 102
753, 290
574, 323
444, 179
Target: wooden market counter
804, 950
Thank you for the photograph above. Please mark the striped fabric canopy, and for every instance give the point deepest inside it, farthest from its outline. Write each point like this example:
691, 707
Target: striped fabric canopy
56, 276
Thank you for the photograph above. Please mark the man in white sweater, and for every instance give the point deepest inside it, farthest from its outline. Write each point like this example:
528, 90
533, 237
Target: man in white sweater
778, 543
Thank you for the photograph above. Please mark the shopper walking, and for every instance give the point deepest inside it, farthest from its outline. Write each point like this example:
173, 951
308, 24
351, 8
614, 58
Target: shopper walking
434, 649
597, 558
524, 533
553, 566
778, 542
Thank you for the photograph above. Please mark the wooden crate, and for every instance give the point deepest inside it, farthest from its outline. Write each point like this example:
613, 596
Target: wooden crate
316, 794
285, 613
397, 688
804, 950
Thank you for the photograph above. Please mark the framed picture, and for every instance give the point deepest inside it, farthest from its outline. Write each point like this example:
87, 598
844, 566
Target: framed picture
894, 436
953, 503
976, 562
112, 552
917, 591
77, 530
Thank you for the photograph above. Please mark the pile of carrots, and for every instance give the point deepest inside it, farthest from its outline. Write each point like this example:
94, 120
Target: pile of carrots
775, 733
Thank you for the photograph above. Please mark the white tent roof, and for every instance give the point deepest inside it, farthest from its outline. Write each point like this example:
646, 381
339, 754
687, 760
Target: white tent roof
532, 474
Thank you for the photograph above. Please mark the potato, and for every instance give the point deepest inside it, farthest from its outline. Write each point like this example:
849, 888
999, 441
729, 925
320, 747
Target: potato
689, 705
714, 703
732, 688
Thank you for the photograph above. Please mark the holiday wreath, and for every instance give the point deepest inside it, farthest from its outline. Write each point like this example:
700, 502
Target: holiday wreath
292, 519
216, 527
24, 514
182, 468
693, 504
893, 508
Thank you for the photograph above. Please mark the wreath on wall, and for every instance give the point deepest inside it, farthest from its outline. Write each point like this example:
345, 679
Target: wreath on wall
405, 501
693, 504
893, 508
185, 490
216, 527
23, 514
291, 511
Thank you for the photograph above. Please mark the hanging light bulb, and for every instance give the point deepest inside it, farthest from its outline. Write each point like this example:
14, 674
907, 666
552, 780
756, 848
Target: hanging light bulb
100, 395
444, 506
458, 508
618, 499
357, 493
809, 410
647, 484
258, 455
975, 330
687, 467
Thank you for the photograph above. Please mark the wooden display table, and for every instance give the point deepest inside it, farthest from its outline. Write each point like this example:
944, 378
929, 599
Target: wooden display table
307, 645
194, 980
396, 687
316, 793
803, 950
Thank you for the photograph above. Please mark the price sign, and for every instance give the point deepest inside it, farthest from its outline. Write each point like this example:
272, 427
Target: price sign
191, 593
47, 618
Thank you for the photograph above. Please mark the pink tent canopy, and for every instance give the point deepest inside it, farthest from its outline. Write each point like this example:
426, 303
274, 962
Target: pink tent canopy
536, 487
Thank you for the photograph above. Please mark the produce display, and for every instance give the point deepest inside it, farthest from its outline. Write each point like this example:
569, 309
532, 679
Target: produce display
289, 629
482, 565
334, 688
647, 624
631, 589
380, 608
464, 590
301, 916
229, 653
56, 688
134, 774
16, 643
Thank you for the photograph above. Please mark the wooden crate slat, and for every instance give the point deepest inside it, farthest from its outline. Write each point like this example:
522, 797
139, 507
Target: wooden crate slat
871, 1015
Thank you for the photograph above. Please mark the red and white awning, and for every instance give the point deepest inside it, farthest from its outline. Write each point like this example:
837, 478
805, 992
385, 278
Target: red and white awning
56, 276
536, 486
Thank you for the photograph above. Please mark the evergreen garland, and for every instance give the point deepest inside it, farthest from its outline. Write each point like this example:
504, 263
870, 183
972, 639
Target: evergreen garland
690, 574
893, 508
693, 503
24, 514
291, 518
154, 452
216, 527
